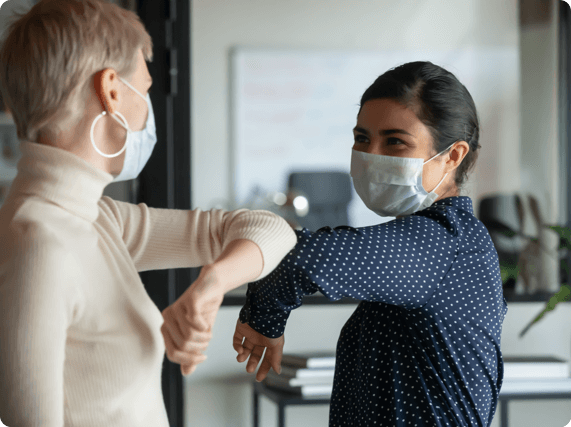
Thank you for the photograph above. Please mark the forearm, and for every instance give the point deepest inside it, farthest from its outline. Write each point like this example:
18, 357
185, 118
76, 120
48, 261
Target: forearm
270, 300
240, 262
189, 320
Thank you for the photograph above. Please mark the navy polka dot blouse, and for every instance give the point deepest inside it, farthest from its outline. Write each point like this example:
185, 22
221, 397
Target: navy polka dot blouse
423, 346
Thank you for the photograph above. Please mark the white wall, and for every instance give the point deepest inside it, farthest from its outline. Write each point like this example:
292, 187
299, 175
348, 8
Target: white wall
341, 24
8, 9
539, 127
218, 394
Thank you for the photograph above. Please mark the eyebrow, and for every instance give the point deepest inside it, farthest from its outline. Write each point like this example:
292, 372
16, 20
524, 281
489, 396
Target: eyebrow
383, 132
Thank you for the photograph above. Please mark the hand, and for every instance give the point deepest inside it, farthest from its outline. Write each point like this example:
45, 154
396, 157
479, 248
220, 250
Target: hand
187, 327
253, 346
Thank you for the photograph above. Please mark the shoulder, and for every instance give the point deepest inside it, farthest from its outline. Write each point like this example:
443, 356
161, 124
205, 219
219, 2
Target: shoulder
109, 208
41, 248
110, 213
454, 215
33, 242
40, 272
449, 218
37, 232
37, 260
115, 214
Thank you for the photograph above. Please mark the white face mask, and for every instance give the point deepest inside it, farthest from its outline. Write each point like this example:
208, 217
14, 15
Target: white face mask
139, 145
391, 186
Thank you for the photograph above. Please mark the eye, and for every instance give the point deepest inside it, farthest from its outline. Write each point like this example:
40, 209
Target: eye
394, 141
359, 138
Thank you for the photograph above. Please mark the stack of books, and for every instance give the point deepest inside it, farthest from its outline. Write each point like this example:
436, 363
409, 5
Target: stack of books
535, 367
308, 374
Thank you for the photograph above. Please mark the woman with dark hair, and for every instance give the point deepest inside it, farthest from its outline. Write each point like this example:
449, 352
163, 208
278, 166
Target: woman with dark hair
423, 345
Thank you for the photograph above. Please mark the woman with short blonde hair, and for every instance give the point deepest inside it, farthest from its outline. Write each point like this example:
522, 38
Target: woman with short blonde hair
55, 60
80, 339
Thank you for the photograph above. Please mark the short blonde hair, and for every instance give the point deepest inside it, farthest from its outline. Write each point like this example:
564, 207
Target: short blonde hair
51, 54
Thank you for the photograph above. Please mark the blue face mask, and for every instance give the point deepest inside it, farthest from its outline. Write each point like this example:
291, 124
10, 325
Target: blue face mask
139, 145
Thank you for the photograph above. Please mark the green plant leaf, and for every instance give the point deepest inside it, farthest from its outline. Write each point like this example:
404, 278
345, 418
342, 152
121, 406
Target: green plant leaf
508, 271
564, 294
508, 233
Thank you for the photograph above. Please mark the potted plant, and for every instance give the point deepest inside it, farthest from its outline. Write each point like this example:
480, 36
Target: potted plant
539, 264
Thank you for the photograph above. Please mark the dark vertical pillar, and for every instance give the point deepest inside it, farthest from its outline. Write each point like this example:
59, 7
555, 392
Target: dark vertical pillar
165, 181
565, 114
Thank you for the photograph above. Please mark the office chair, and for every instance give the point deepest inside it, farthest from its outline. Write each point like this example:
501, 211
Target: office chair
503, 215
328, 194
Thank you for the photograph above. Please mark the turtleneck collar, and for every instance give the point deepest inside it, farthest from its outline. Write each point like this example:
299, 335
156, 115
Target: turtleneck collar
60, 177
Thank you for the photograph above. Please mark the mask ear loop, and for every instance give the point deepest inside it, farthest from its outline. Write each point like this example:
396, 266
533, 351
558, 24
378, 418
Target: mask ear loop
442, 152
446, 174
147, 101
132, 88
112, 115
441, 181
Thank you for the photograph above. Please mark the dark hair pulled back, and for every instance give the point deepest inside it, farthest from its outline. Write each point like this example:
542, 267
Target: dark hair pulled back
440, 102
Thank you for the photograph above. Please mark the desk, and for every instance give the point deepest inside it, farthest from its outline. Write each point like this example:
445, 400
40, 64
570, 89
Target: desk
511, 390
282, 399
531, 390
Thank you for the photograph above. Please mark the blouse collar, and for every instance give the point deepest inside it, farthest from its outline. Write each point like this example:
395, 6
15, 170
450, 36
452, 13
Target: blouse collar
460, 202
60, 177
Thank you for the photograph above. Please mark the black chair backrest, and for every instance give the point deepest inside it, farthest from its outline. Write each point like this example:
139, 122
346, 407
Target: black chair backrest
503, 214
328, 194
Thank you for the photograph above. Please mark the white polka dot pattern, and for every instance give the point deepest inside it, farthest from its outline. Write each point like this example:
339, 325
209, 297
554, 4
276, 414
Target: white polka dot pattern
423, 346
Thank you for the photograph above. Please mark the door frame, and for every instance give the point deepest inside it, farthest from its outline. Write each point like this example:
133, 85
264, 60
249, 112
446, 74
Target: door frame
165, 180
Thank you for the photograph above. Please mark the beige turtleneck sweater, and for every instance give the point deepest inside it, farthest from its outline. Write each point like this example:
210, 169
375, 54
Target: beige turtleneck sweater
80, 340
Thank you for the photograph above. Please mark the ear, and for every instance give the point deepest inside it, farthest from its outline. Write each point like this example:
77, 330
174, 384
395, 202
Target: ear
106, 84
456, 155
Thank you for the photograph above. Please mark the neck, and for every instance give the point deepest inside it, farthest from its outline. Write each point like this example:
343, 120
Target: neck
77, 141
60, 177
451, 191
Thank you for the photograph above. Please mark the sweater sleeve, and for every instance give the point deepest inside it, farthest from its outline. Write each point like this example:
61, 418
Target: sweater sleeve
171, 238
38, 301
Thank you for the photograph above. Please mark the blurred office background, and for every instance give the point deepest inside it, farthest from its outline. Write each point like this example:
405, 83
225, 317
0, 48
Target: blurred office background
524, 140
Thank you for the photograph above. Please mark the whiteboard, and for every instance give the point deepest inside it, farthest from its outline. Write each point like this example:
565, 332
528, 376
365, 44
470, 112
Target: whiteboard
295, 109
